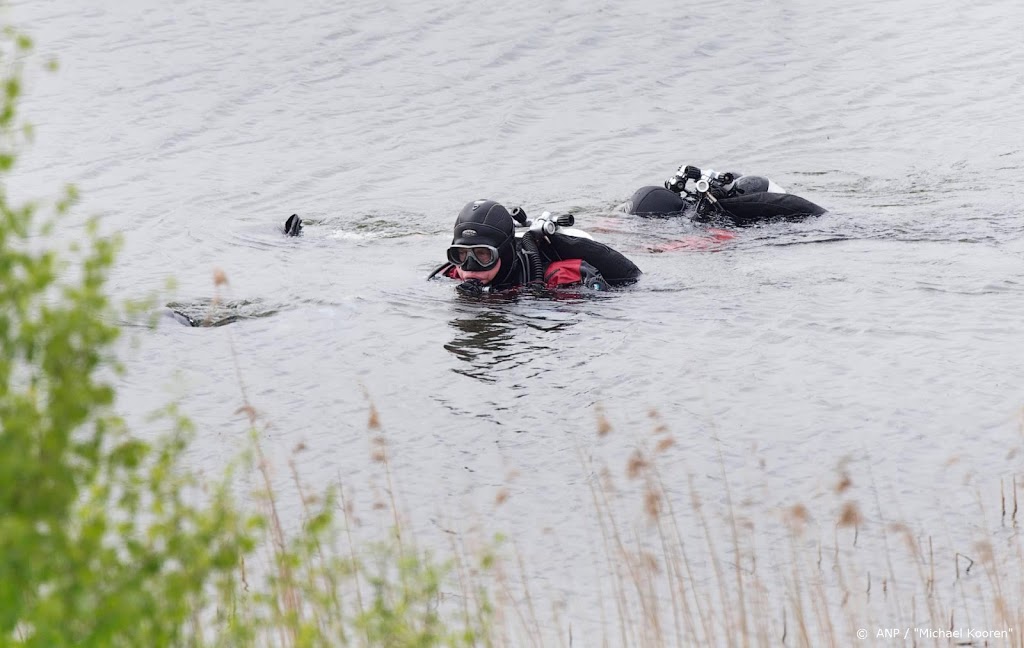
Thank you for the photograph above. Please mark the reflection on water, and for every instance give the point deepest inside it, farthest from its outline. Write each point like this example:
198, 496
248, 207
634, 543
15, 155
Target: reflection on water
484, 343
494, 334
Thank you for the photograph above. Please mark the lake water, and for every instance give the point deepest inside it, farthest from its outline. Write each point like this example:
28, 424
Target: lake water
885, 334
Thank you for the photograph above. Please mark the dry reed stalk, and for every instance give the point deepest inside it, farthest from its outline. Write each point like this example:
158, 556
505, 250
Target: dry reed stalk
655, 487
460, 573
795, 594
676, 560
720, 580
757, 604
853, 625
820, 603
618, 549
678, 537
601, 600
885, 536
1002, 503
931, 567
291, 600
606, 524
670, 571
604, 427
289, 594
986, 556
471, 588
511, 601
323, 568
735, 542
960, 585
917, 557
761, 604
556, 622
534, 620
643, 567
1019, 621
382, 456
1013, 517
644, 464
636, 467
348, 515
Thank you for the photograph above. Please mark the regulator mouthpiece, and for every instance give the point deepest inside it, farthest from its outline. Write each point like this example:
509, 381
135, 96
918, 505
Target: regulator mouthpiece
470, 288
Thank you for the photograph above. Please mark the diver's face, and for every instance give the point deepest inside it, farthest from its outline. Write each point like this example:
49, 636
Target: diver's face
483, 276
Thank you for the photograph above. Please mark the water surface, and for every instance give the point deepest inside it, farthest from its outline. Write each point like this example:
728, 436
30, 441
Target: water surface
885, 333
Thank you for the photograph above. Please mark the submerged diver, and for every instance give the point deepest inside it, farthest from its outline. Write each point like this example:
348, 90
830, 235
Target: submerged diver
488, 255
730, 198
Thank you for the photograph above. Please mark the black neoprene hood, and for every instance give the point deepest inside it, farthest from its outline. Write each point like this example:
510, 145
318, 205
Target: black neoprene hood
655, 200
483, 222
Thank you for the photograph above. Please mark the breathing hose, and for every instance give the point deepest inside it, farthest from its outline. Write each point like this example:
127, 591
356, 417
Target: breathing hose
535, 266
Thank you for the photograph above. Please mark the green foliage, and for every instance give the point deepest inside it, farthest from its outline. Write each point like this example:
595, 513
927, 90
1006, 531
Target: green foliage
108, 540
101, 542
389, 594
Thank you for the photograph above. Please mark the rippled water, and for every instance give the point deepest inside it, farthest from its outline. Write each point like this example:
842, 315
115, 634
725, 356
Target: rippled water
887, 331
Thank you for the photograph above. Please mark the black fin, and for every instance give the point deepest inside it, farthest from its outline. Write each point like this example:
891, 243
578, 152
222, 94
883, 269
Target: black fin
293, 226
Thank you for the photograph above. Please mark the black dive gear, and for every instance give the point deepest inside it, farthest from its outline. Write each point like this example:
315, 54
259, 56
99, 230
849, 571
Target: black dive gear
732, 198
655, 201
750, 184
470, 288
485, 228
534, 262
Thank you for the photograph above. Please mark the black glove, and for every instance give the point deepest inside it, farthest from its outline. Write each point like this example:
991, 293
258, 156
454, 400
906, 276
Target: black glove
470, 288
591, 277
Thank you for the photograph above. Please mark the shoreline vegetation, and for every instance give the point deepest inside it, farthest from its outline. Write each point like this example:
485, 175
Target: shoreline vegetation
109, 540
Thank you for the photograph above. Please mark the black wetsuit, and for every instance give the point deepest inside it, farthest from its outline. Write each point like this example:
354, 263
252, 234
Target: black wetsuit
747, 202
533, 258
559, 260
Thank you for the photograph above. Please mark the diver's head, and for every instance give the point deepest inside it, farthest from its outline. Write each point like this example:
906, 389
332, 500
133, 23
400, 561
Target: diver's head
655, 201
483, 246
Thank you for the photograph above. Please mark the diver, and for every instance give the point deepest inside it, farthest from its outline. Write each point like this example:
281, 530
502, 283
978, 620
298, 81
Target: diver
730, 198
489, 255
